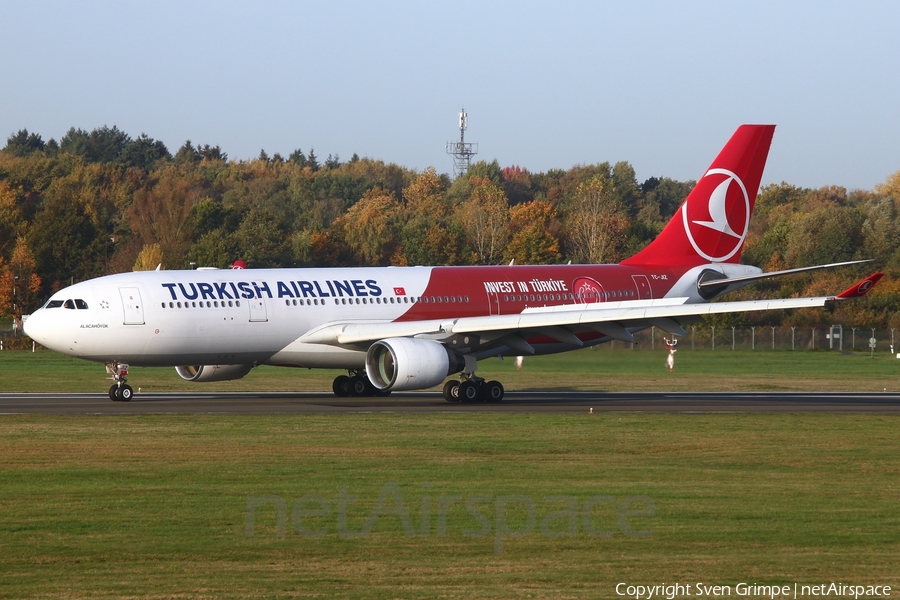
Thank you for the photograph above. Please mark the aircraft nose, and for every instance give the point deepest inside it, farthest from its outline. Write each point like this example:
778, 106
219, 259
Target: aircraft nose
35, 326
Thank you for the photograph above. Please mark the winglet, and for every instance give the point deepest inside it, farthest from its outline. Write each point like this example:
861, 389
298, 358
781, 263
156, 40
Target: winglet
861, 288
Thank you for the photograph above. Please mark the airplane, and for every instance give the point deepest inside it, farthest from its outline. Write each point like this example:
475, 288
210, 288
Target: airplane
410, 328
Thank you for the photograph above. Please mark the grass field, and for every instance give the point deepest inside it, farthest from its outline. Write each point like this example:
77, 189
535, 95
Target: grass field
451, 505
157, 506
600, 369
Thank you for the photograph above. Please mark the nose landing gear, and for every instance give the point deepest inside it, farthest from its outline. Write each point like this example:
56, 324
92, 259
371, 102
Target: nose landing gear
119, 391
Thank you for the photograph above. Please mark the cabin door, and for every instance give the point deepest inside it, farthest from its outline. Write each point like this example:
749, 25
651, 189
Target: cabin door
642, 284
131, 303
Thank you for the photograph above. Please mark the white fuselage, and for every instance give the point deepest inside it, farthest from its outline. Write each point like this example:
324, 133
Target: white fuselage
170, 318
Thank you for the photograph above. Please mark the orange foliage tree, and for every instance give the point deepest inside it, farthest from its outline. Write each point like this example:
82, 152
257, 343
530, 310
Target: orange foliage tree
533, 238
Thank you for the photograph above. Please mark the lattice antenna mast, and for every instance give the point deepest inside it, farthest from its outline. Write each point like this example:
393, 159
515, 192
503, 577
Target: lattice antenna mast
462, 151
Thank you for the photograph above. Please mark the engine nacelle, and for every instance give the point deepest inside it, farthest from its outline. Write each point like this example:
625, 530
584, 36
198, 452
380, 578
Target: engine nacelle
409, 364
212, 372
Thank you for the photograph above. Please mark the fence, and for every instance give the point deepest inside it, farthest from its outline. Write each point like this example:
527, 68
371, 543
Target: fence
762, 338
12, 337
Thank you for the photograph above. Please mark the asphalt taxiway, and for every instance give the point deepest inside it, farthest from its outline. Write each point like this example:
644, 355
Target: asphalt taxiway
430, 402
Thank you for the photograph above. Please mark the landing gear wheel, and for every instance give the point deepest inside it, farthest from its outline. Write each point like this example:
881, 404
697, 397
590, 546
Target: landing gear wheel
492, 391
119, 391
451, 391
360, 386
341, 386
124, 393
468, 391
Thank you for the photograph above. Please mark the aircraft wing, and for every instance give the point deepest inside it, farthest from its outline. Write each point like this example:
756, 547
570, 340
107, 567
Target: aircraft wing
558, 322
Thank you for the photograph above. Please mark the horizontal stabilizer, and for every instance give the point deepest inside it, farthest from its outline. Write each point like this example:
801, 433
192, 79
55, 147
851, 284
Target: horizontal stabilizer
712, 284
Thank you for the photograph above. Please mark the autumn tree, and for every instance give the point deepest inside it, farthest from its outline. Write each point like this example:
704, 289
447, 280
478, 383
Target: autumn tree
10, 222
880, 232
829, 233
149, 258
484, 218
595, 223
881, 228
517, 184
369, 227
20, 285
625, 187
161, 214
533, 234
429, 236
890, 188
64, 240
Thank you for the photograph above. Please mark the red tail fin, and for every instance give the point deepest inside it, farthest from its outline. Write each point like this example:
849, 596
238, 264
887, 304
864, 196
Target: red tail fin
712, 222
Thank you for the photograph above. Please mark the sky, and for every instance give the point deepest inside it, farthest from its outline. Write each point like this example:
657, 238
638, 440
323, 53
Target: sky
546, 85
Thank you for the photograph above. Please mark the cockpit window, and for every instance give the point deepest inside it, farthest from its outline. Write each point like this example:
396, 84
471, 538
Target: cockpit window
54, 304
73, 304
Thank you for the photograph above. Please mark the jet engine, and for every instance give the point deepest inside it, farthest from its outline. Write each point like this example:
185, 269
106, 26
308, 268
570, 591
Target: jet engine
409, 364
212, 372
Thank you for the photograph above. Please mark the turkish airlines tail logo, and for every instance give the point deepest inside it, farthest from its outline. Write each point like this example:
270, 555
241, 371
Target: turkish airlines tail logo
714, 219
717, 205
717, 218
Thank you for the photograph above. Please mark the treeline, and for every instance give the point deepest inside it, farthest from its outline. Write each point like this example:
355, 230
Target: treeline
102, 202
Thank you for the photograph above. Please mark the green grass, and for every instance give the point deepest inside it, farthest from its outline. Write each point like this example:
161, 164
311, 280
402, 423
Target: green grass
600, 369
156, 506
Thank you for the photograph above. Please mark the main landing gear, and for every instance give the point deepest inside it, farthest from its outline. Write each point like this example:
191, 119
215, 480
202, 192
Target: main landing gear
473, 389
119, 391
356, 384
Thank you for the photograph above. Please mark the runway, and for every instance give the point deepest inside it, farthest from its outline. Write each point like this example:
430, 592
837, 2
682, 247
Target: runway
431, 402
